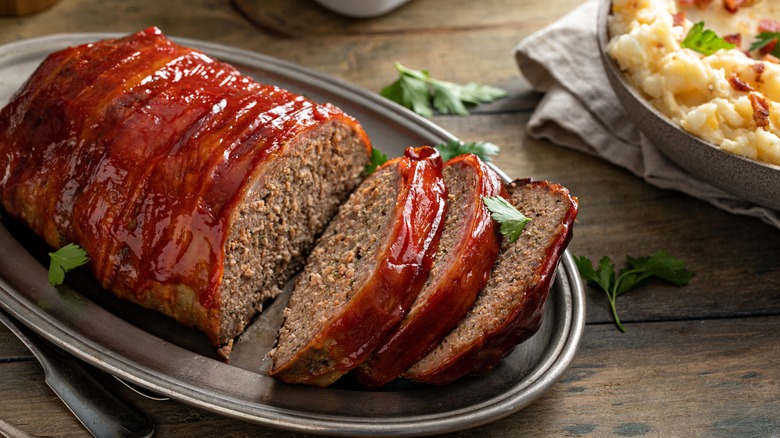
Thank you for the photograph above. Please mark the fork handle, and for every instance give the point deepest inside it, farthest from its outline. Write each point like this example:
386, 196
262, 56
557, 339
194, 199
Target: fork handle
102, 412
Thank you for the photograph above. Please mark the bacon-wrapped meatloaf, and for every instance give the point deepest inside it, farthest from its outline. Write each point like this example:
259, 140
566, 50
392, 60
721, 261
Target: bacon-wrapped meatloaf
194, 190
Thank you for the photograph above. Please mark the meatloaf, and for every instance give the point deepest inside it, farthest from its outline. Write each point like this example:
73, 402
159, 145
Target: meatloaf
364, 272
194, 190
509, 309
467, 250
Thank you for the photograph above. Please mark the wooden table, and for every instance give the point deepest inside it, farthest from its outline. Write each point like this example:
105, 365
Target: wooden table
700, 360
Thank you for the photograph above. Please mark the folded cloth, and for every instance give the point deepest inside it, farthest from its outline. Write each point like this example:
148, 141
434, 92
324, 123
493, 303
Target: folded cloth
580, 110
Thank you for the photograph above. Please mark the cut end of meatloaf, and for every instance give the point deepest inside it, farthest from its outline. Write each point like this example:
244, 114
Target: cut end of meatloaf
344, 258
289, 206
508, 309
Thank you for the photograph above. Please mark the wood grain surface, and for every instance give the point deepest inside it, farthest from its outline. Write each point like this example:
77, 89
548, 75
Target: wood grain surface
696, 361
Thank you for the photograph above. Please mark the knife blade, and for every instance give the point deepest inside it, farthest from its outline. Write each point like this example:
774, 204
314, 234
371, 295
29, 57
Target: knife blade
102, 412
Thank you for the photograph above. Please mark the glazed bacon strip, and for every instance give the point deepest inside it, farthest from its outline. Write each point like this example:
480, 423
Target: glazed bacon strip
348, 329
509, 308
144, 152
461, 269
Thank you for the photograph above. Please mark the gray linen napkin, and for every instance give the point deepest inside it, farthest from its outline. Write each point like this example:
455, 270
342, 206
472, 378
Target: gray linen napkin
580, 110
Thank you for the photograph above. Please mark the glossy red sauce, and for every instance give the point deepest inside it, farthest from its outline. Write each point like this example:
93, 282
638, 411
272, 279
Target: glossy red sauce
445, 299
401, 271
139, 150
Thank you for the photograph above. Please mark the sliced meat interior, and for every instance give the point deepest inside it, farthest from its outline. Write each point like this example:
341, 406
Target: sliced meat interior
467, 250
364, 272
509, 308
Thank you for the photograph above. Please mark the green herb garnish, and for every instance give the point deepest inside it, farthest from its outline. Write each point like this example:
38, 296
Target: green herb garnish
512, 221
764, 39
704, 41
416, 90
378, 158
660, 265
64, 260
453, 148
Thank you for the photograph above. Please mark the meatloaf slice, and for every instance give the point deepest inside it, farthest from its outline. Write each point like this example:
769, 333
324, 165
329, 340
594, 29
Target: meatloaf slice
467, 250
194, 190
509, 309
364, 272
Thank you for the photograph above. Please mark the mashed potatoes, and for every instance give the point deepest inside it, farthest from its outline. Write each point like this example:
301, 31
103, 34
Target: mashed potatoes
724, 97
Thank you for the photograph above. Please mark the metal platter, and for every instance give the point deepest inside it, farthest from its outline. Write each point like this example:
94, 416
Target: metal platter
154, 352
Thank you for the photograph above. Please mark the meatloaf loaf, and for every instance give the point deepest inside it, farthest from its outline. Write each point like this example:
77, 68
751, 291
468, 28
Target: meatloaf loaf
365, 271
194, 190
509, 309
468, 248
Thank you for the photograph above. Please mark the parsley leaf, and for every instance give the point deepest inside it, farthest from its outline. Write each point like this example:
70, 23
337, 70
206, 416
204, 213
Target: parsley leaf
64, 260
512, 221
453, 148
704, 41
764, 39
446, 98
377, 159
660, 265
474, 93
418, 91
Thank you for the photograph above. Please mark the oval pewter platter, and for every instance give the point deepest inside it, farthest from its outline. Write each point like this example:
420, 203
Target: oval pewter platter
152, 351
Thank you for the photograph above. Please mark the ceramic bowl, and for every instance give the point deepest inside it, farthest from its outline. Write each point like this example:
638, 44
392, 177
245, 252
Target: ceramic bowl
361, 8
747, 179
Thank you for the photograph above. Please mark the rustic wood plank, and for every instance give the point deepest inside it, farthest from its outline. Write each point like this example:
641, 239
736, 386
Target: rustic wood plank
701, 364
302, 18
683, 378
366, 61
693, 378
28, 404
11, 348
206, 19
15, 8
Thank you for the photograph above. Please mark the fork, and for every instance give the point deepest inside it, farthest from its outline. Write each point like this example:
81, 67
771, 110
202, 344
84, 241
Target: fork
102, 412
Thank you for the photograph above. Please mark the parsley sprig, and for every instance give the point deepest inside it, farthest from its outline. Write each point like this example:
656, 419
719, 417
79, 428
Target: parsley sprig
764, 39
448, 151
660, 265
704, 41
418, 91
64, 260
453, 148
377, 159
512, 221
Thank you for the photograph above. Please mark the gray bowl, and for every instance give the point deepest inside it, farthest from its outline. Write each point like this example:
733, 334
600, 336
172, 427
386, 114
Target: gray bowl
747, 179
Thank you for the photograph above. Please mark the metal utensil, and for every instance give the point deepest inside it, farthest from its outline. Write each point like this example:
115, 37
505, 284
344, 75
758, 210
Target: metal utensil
99, 409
